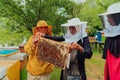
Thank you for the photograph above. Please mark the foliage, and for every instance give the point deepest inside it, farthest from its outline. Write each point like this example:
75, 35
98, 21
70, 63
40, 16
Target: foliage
90, 13
92, 31
28, 12
12, 33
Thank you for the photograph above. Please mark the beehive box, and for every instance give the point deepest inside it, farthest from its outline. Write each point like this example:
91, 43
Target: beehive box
13, 68
53, 52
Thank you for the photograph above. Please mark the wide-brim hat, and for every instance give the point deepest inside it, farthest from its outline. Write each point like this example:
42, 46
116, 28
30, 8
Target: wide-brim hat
41, 23
112, 9
74, 22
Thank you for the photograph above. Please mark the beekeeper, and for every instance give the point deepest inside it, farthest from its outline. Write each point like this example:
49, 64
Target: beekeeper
111, 23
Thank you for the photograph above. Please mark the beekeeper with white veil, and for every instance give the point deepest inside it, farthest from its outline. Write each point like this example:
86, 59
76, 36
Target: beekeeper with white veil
111, 26
80, 28
111, 23
75, 34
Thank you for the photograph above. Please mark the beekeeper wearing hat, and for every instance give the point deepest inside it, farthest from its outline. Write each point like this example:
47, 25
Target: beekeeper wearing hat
75, 35
38, 70
80, 49
111, 23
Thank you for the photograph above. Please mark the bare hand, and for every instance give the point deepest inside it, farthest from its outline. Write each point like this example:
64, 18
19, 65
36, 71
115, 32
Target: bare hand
76, 46
35, 39
39, 34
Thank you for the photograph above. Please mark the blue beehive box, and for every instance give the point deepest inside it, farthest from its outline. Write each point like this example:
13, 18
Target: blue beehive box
7, 52
99, 36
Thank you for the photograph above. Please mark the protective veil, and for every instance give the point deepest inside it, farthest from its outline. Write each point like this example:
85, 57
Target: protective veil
80, 28
114, 12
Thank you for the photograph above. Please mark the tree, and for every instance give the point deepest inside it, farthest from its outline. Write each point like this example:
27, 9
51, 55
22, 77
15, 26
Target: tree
28, 12
11, 33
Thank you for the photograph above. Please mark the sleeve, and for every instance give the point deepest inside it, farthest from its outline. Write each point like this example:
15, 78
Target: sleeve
29, 47
87, 48
55, 38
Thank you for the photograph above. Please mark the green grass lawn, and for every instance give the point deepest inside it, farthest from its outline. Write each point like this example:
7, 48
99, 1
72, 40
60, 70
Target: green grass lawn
94, 68
56, 74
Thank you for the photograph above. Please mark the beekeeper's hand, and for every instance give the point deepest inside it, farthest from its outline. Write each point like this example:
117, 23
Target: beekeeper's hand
39, 34
77, 46
37, 37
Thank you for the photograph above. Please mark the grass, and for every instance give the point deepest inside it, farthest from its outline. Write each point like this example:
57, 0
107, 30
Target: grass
94, 68
103, 38
56, 74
